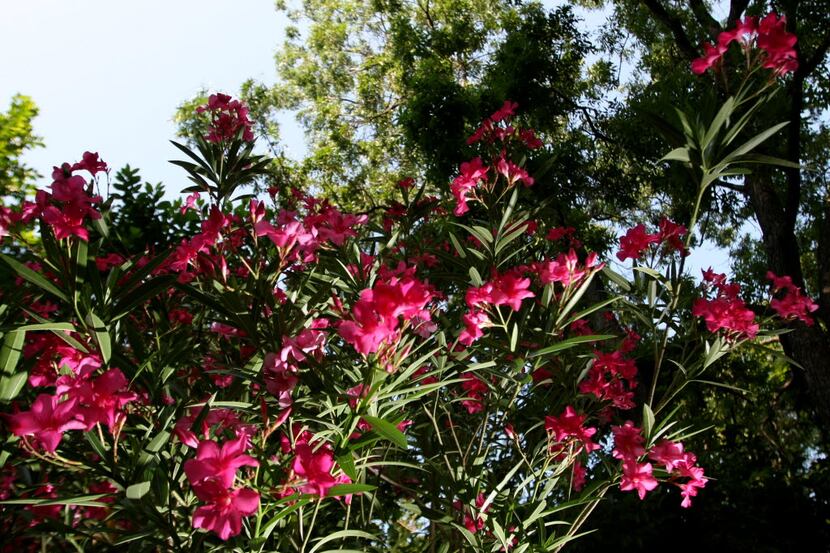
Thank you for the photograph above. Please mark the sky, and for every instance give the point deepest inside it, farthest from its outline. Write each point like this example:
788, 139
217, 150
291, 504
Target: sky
107, 76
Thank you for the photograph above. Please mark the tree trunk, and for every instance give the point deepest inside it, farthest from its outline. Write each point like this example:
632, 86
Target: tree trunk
809, 346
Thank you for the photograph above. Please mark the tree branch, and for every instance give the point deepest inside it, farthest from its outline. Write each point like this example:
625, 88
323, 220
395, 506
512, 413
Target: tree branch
741, 189
681, 39
736, 10
815, 59
705, 18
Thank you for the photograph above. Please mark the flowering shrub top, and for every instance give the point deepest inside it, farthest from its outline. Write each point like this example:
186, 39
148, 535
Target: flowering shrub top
292, 377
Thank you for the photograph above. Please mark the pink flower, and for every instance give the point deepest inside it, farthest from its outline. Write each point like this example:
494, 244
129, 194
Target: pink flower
744, 32
218, 464
671, 234
110, 260
74, 204
103, 398
228, 117
375, 316
506, 111
778, 44
474, 322
726, 313
569, 428
667, 453
628, 442
190, 203
637, 476
687, 468
711, 56
529, 138
463, 185
474, 389
47, 420
221, 419
507, 288
611, 378
513, 173
792, 304
635, 242
90, 162
225, 508
314, 464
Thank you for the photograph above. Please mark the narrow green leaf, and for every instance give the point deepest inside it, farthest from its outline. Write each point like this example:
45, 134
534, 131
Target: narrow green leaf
458, 247
346, 463
717, 123
511, 205
347, 489
35, 278
46, 326
11, 350
102, 336
388, 431
678, 154
475, 277
514, 337
648, 420
750, 144
339, 535
11, 385
569, 343
137, 491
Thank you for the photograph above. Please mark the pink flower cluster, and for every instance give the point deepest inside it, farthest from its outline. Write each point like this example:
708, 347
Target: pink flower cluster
792, 304
726, 311
464, 185
681, 466
66, 208
568, 435
770, 36
491, 131
612, 377
312, 467
507, 288
212, 474
80, 401
375, 319
494, 128
228, 117
474, 391
565, 268
281, 369
636, 241
298, 239
474, 519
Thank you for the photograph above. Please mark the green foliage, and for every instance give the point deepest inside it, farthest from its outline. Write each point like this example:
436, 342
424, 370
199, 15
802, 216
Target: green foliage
16, 138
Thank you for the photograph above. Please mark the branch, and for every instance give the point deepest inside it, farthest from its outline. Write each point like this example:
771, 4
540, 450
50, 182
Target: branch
736, 9
586, 115
741, 189
674, 25
705, 18
813, 62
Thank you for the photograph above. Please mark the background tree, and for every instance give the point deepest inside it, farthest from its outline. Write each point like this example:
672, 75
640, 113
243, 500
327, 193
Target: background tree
790, 206
16, 137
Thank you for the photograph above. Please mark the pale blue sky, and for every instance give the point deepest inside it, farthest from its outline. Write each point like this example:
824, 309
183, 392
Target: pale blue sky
107, 75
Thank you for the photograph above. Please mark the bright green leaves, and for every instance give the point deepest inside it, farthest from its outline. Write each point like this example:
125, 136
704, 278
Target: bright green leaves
220, 171
388, 430
11, 380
